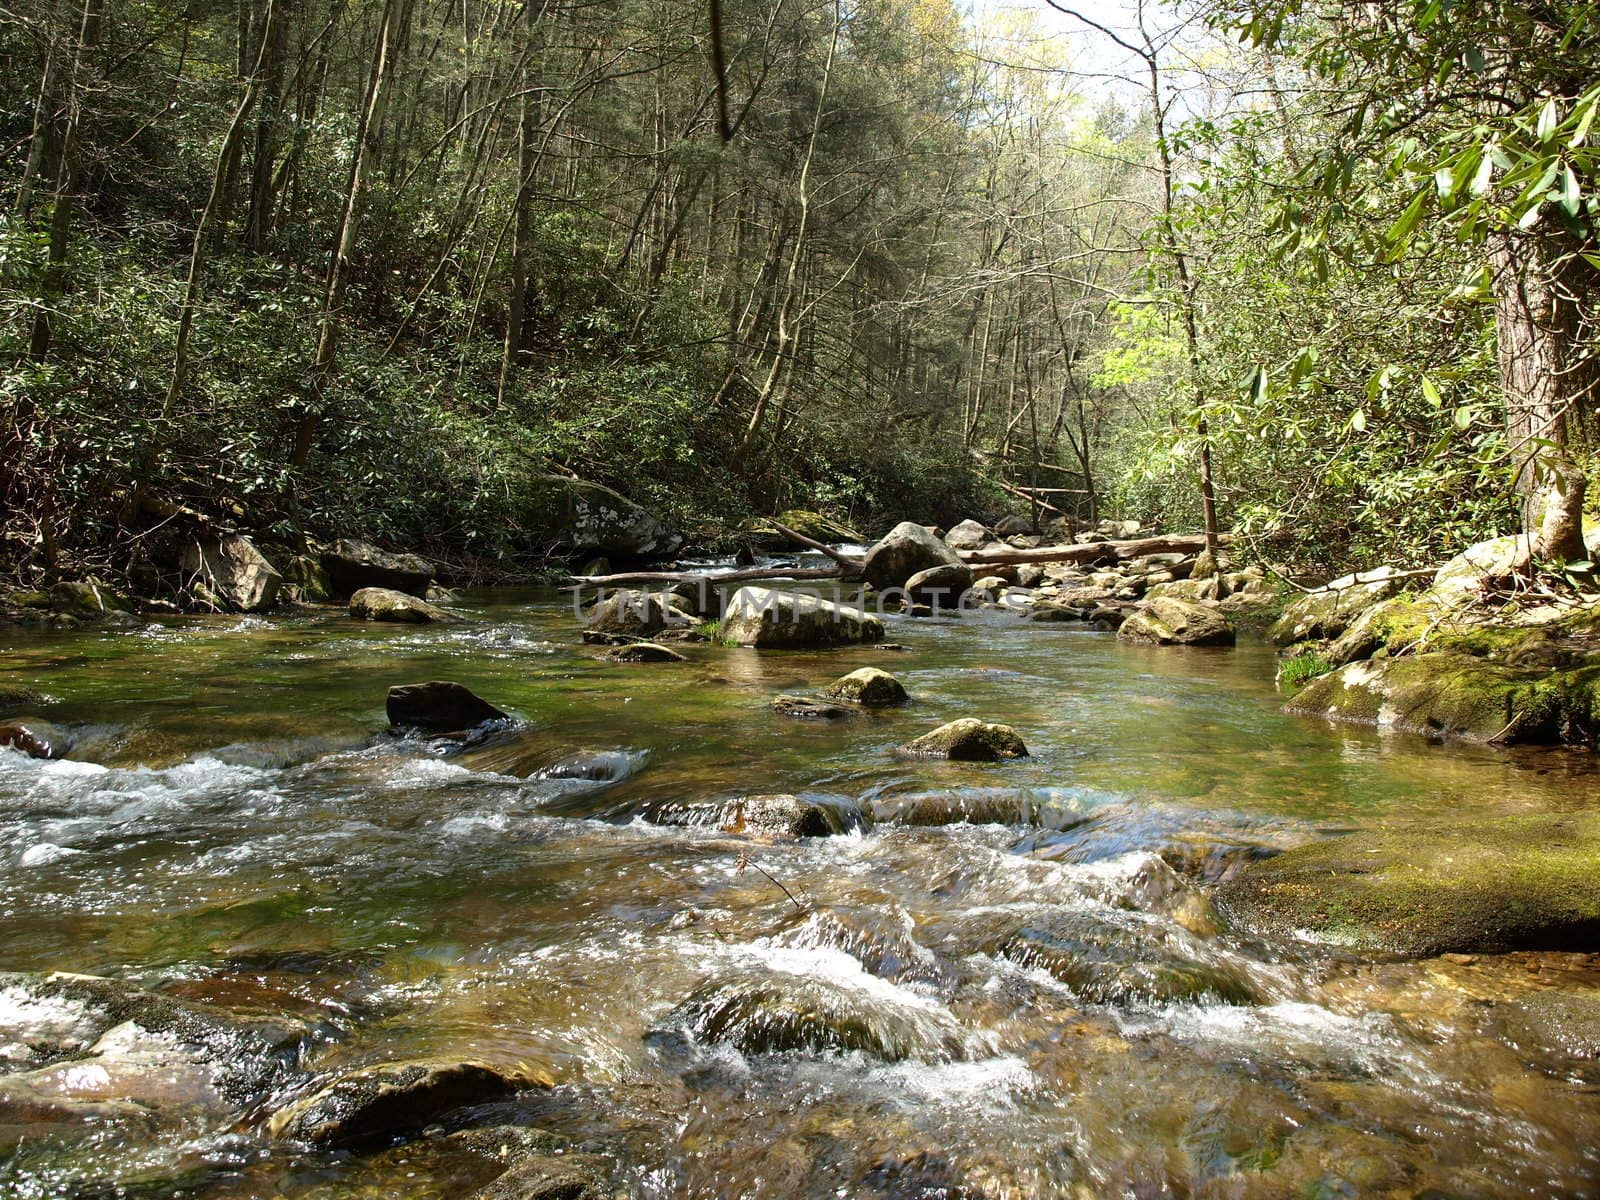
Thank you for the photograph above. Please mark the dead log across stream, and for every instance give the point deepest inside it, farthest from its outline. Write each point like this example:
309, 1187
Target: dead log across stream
1191, 543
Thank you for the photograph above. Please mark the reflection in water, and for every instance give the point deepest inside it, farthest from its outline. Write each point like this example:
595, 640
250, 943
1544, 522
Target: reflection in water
1009, 983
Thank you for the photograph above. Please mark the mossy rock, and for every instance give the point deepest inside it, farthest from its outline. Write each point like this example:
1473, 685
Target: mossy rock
816, 526
868, 687
1523, 882
1327, 612
1165, 621
968, 740
1460, 695
16, 695
385, 604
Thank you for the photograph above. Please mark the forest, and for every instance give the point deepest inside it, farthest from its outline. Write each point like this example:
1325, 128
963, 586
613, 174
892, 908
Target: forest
390, 269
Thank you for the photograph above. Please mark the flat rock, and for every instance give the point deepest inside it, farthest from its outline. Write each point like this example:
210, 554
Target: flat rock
1169, 622
374, 1104
968, 740
383, 604
351, 565
1522, 882
644, 652
769, 619
552, 1177
439, 706
807, 709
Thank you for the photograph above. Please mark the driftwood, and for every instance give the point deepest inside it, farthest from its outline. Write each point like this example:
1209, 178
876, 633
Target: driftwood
844, 560
1186, 543
710, 578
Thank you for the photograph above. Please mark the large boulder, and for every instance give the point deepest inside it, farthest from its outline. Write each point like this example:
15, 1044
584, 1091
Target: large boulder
968, 535
968, 740
636, 614
595, 519
376, 1104
1327, 612
1460, 695
1485, 885
439, 706
905, 550
351, 565
1479, 564
941, 587
769, 619
232, 571
382, 604
1166, 621
868, 687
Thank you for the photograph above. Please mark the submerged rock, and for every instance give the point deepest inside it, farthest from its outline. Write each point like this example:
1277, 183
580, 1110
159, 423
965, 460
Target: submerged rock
808, 709
1524, 882
17, 695
868, 687
905, 550
439, 706
233, 570
772, 816
769, 619
644, 652
968, 740
381, 604
1169, 622
552, 1177
35, 738
377, 1103
351, 565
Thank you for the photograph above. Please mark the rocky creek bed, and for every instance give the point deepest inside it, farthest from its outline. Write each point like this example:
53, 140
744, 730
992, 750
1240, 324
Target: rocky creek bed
649, 936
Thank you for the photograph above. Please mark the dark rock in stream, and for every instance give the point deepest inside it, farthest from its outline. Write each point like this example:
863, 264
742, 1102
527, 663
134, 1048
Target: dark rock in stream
377, 1103
807, 709
35, 738
904, 551
439, 706
769, 816
353, 565
968, 740
552, 1177
16, 695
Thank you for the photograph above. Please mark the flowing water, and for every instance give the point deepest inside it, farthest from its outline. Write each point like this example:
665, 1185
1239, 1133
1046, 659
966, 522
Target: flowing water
995, 981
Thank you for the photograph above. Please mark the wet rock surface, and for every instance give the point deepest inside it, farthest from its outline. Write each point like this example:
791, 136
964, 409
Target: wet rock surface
968, 740
351, 565
383, 604
439, 706
868, 687
768, 619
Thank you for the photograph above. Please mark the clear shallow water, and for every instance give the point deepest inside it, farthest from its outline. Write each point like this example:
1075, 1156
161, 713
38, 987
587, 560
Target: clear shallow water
1029, 1002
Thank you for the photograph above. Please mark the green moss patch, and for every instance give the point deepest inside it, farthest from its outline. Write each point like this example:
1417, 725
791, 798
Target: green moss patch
1524, 882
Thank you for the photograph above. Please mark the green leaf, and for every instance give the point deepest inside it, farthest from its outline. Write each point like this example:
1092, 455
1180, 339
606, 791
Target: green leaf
1549, 120
1571, 194
1401, 229
1430, 392
1464, 416
1358, 421
1485, 174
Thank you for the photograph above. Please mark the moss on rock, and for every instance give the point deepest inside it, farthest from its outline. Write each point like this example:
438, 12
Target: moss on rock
1522, 882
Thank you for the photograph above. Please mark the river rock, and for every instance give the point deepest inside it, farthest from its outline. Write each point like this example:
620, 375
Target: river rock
35, 738
18, 695
352, 565
1478, 565
1488, 885
596, 519
769, 619
377, 1103
1011, 525
1030, 575
552, 1177
1460, 695
940, 587
644, 652
905, 550
439, 706
305, 580
968, 740
968, 535
772, 816
868, 687
1169, 622
805, 708
233, 570
382, 604
636, 614
1327, 612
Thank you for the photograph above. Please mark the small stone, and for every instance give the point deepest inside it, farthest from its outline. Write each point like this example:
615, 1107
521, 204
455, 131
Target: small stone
968, 740
36, 739
17, 695
869, 687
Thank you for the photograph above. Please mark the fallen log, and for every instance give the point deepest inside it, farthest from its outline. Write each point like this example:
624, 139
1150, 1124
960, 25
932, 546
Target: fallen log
1186, 543
844, 560
708, 578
